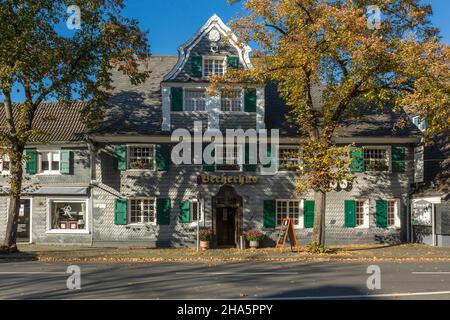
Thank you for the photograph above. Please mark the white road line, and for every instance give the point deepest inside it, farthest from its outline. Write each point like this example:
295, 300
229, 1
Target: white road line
367, 296
431, 272
236, 273
43, 272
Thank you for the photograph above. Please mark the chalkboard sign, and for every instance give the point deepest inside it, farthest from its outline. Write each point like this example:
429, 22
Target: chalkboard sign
287, 230
443, 219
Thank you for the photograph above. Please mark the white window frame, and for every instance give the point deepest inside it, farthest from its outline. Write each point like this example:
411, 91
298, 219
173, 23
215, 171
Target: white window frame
154, 223
366, 212
388, 155
195, 89
86, 230
2, 169
40, 158
129, 146
191, 211
242, 98
397, 211
224, 58
301, 212
289, 147
239, 151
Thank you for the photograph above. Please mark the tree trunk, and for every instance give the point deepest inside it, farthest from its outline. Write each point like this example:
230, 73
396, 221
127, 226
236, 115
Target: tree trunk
15, 183
319, 217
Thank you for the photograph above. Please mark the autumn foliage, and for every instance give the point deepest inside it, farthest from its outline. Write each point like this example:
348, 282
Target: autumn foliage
304, 45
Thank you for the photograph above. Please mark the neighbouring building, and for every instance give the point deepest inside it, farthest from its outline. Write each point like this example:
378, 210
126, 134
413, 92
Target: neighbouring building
117, 185
430, 203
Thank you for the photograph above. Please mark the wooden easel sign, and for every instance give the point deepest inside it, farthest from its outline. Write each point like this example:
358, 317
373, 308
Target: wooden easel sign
287, 230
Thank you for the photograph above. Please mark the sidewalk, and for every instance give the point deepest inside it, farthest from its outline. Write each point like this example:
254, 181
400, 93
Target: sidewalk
59, 253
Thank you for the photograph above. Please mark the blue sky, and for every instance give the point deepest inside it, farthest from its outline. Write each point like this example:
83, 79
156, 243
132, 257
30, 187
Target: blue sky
172, 22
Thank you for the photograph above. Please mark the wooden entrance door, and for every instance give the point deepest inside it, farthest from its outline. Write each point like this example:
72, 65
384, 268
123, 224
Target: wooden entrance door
226, 226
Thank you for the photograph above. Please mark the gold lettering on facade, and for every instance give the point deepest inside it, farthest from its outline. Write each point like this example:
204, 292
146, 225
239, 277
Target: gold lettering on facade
225, 179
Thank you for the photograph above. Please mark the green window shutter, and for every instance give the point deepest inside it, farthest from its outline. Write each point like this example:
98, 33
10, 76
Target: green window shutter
250, 100
398, 159
120, 154
197, 66
162, 157
65, 161
176, 99
233, 62
209, 167
247, 167
381, 213
269, 213
357, 155
163, 211
120, 211
184, 215
350, 213
31, 166
308, 213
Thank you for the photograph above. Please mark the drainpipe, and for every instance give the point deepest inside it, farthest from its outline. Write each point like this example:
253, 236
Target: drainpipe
92, 184
433, 224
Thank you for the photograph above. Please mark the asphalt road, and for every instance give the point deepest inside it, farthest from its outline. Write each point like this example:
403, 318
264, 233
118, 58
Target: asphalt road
407, 280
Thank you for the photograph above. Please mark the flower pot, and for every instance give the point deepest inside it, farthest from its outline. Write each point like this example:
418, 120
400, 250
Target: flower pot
204, 245
254, 244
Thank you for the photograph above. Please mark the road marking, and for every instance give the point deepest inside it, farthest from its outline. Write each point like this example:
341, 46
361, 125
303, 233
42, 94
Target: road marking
431, 272
237, 273
367, 296
43, 272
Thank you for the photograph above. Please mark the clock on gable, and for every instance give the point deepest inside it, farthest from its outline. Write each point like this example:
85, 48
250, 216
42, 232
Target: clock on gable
214, 35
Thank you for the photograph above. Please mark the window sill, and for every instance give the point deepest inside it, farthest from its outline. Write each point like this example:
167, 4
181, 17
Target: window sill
361, 227
49, 174
295, 228
140, 170
194, 223
236, 112
140, 225
189, 112
67, 232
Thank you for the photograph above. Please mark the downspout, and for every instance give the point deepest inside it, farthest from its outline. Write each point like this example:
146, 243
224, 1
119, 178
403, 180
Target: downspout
92, 184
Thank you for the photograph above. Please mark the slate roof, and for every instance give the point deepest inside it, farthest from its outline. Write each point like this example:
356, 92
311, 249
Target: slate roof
370, 124
137, 110
58, 122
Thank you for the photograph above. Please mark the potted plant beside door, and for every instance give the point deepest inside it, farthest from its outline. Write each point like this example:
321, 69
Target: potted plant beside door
254, 237
205, 238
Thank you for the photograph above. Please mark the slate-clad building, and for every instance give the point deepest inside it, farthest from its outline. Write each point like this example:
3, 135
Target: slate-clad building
56, 176
430, 203
118, 185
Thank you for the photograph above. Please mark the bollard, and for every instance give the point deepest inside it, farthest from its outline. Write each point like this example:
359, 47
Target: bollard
242, 242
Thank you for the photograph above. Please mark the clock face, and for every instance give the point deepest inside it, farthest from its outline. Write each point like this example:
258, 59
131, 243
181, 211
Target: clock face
214, 36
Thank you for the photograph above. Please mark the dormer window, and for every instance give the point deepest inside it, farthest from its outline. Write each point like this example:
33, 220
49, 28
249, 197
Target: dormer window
214, 66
